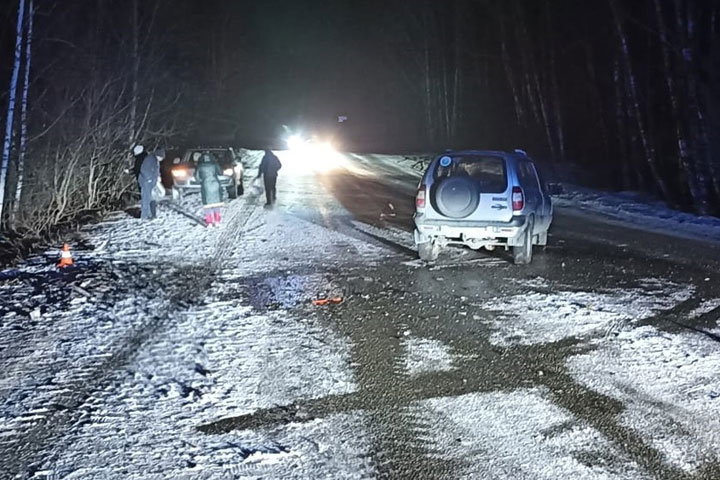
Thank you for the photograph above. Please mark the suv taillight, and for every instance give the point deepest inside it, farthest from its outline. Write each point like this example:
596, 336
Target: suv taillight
518, 199
420, 198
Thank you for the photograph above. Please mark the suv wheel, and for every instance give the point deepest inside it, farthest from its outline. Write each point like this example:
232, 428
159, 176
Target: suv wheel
428, 251
522, 254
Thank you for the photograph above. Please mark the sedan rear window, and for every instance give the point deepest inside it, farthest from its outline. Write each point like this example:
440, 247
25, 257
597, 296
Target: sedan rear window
488, 171
222, 157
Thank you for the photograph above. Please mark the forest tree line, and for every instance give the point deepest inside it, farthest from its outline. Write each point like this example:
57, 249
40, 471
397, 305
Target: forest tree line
94, 78
627, 90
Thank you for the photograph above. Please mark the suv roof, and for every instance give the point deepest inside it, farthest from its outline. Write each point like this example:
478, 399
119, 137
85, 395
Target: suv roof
516, 153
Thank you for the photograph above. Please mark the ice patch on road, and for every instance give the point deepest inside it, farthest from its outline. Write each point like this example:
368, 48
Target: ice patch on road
278, 241
423, 355
519, 435
537, 318
670, 386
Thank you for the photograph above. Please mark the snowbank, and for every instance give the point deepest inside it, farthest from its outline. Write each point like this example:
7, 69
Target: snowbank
639, 211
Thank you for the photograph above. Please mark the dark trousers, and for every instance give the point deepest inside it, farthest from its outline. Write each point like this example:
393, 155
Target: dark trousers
270, 183
147, 204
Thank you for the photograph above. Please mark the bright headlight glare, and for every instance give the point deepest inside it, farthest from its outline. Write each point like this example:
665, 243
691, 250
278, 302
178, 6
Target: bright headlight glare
295, 142
228, 172
179, 173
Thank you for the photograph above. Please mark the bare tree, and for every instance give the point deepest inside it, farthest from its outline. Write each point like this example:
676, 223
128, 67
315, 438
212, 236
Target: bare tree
634, 101
7, 144
20, 170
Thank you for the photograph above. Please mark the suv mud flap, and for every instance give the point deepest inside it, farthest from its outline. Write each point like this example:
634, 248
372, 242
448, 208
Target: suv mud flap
420, 237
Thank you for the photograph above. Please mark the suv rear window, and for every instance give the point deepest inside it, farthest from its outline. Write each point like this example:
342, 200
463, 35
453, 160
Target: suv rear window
488, 171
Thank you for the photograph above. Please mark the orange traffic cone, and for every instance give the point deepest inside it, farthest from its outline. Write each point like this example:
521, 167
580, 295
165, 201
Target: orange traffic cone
66, 259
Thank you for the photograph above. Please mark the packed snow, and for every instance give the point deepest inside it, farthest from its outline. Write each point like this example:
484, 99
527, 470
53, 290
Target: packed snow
519, 435
706, 307
538, 318
669, 385
427, 355
164, 307
113, 368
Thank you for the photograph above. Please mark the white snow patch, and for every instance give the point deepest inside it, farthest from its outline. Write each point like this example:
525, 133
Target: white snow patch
217, 360
424, 355
705, 307
670, 386
536, 318
519, 435
392, 165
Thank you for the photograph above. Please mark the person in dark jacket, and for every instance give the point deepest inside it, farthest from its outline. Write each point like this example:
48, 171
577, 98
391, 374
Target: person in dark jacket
207, 173
269, 167
147, 179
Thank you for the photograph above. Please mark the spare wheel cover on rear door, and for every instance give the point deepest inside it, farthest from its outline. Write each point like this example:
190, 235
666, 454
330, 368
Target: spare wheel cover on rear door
457, 197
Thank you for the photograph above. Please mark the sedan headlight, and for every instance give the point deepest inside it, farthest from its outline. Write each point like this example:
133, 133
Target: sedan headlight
228, 172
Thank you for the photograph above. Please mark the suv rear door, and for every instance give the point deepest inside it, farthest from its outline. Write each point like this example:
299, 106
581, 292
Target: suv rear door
490, 177
534, 201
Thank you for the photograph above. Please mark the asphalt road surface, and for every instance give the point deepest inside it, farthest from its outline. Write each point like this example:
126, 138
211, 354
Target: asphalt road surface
595, 361
586, 253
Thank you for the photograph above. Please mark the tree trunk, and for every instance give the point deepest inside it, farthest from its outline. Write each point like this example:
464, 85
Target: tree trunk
621, 126
11, 108
557, 111
132, 136
598, 99
519, 113
648, 150
697, 190
23, 112
429, 123
686, 24
457, 73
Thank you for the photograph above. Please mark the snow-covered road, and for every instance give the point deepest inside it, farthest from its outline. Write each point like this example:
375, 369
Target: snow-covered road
175, 351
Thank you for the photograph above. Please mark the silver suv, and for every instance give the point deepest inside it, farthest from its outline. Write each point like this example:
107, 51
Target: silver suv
482, 199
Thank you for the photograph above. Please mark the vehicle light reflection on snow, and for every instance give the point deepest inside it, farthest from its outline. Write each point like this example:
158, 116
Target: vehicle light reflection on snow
312, 159
318, 159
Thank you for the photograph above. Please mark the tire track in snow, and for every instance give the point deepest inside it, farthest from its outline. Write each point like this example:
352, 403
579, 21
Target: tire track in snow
21, 445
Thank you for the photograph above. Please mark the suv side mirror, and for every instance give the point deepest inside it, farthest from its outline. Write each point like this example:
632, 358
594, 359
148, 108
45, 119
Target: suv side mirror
555, 188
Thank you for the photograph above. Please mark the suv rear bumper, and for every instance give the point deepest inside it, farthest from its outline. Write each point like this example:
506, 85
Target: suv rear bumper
462, 230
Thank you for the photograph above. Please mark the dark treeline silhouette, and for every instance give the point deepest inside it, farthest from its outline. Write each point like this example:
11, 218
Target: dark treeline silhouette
626, 90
